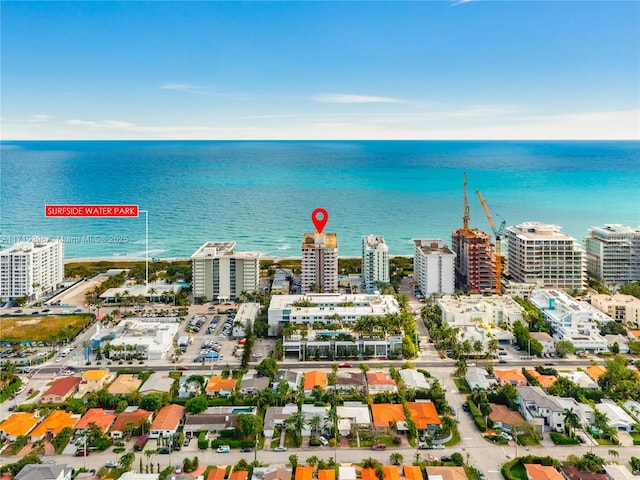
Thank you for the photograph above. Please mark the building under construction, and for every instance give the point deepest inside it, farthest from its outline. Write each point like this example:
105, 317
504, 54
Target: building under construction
475, 258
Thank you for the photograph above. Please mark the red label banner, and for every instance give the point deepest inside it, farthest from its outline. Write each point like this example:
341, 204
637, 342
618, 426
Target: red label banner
91, 210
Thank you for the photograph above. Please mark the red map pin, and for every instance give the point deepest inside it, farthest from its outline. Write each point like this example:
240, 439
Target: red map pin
319, 217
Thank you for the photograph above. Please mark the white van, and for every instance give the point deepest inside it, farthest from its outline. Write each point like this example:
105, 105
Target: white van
65, 352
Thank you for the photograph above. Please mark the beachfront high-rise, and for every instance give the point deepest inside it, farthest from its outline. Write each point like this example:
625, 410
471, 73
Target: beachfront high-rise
319, 262
31, 269
375, 261
220, 273
541, 253
613, 253
475, 263
433, 266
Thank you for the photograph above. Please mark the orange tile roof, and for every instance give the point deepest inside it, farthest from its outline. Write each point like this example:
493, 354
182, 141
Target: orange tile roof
95, 374
391, 472
544, 380
239, 475
369, 474
134, 417
216, 474
385, 413
327, 474
510, 375
62, 386
423, 414
379, 378
101, 417
541, 472
313, 378
304, 473
55, 422
502, 413
447, 473
217, 383
635, 334
412, 472
168, 418
595, 371
19, 424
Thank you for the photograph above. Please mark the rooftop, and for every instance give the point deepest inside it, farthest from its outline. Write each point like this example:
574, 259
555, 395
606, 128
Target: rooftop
385, 414
542, 472
18, 424
320, 240
168, 418
101, 417
62, 386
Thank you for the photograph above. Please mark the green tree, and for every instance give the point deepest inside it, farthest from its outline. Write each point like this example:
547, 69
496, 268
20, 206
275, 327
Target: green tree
571, 421
197, 404
248, 425
457, 458
396, 458
152, 402
563, 347
126, 461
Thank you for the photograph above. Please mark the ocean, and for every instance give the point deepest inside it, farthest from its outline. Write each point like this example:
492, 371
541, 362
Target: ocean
261, 194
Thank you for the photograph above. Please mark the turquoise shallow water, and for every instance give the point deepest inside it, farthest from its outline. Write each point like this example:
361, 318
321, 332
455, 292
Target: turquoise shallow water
261, 194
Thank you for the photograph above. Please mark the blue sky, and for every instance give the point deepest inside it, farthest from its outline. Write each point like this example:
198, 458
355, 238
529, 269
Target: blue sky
320, 70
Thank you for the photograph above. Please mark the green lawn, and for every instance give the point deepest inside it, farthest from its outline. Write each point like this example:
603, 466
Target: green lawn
519, 472
455, 439
463, 386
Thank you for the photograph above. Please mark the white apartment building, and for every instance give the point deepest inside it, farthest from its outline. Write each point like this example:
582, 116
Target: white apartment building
613, 253
31, 269
220, 273
433, 266
622, 308
319, 262
316, 307
577, 322
541, 253
375, 261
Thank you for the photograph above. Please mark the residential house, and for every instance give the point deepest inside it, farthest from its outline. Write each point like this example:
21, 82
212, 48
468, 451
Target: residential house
619, 472
542, 472
188, 387
314, 378
545, 381
131, 414
215, 419
53, 424
304, 473
217, 473
46, 471
238, 475
166, 422
391, 472
101, 417
158, 382
412, 472
413, 379
547, 342
378, 382
134, 475
61, 389
309, 411
541, 409
514, 377
616, 416
424, 415
350, 382
271, 473
581, 379
505, 418
220, 387
290, 376
18, 424
446, 473
124, 384
633, 408
94, 380
274, 416
369, 474
595, 372
251, 383
352, 414
347, 473
326, 474
569, 472
586, 414
479, 377
388, 415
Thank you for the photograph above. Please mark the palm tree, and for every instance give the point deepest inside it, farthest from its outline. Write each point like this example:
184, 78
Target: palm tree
312, 461
571, 421
315, 422
613, 454
485, 409
396, 458
149, 453
295, 423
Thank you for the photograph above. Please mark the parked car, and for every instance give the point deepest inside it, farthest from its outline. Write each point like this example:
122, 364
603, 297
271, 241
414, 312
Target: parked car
178, 469
506, 435
453, 411
379, 446
223, 449
465, 407
111, 464
345, 365
280, 449
424, 446
323, 441
246, 449
502, 360
438, 446
186, 442
445, 458
183, 368
82, 453
164, 451
12, 408
581, 439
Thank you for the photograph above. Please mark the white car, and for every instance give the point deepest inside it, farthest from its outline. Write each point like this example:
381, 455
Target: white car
438, 446
223, 449
506, 435
323, 441
111, 464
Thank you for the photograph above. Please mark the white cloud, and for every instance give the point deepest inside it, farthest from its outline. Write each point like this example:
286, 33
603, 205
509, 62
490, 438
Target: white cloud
187, 88
40, 117
346, 98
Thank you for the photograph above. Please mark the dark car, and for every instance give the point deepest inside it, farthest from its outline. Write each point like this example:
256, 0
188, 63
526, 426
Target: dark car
164, 451
82, 453
424, 446
246, 449
465, 407
380, 446
581, 439
12, 408
445, 458
186, 442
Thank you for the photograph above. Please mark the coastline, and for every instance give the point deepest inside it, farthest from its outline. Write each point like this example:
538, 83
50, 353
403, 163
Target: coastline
186, 259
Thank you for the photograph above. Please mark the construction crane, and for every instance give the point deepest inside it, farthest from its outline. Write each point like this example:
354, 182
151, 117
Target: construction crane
499, 234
